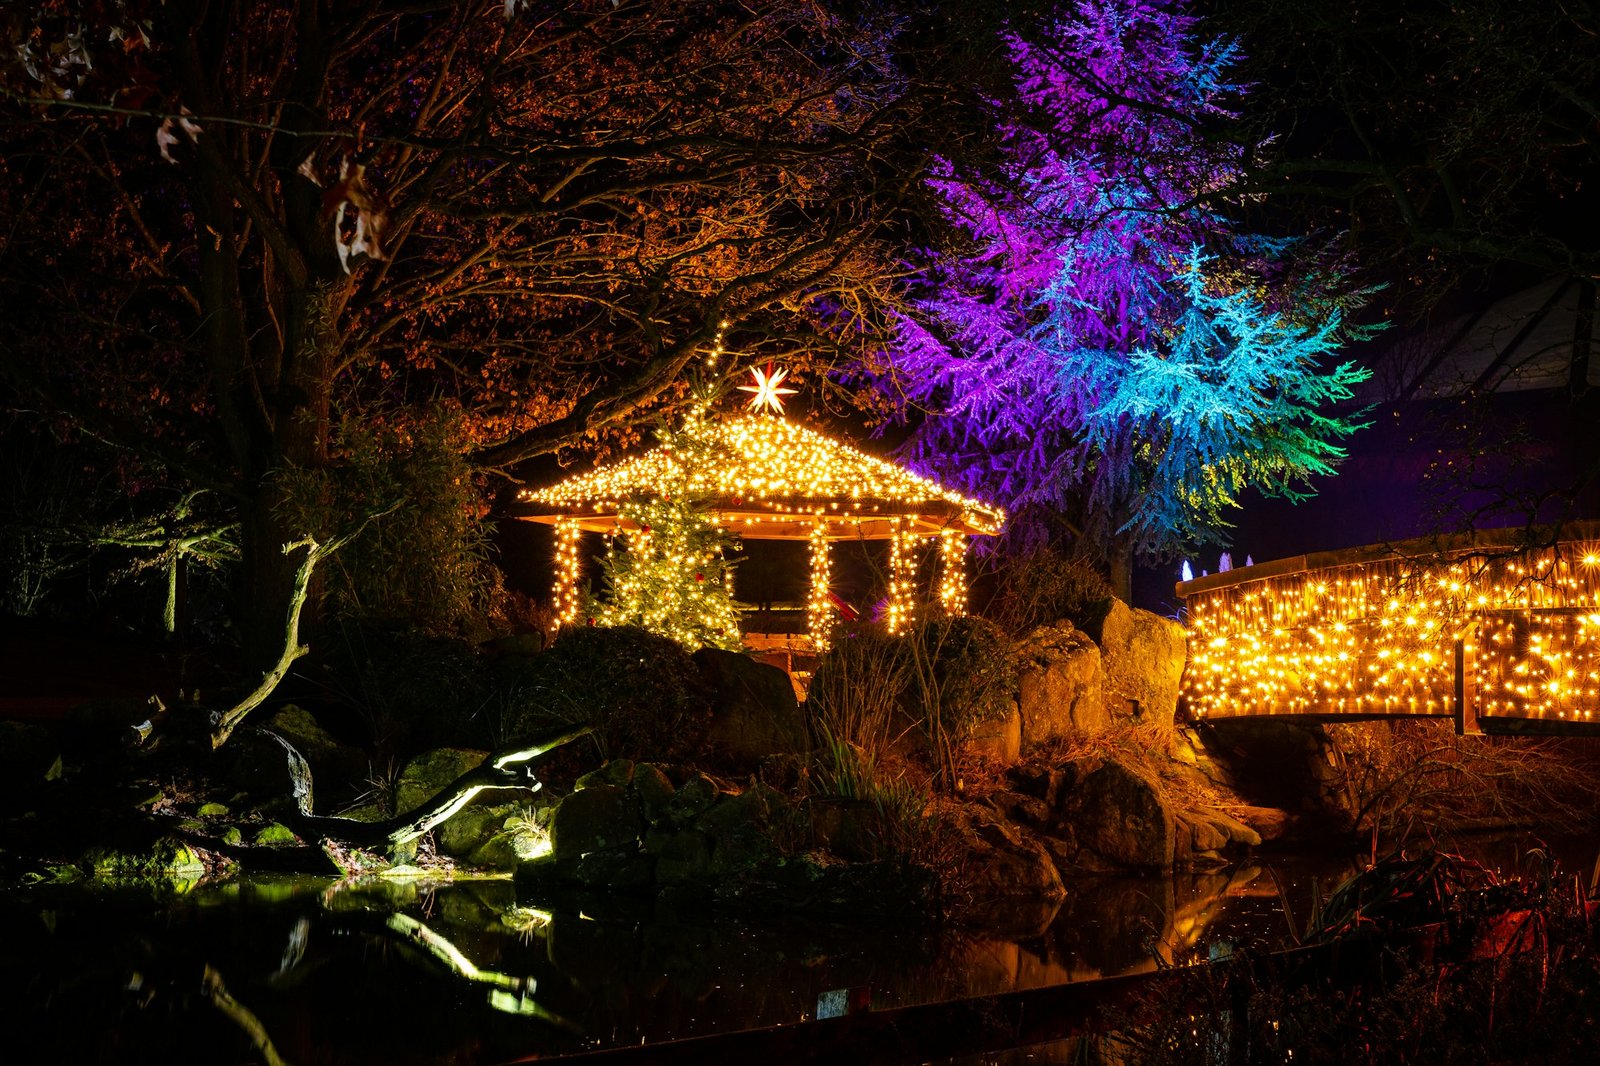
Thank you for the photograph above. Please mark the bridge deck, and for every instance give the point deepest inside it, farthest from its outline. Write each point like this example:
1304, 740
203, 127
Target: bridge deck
1498, 630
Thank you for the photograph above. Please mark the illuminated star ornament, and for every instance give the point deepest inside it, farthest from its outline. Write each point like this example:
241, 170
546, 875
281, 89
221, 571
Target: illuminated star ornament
768, 394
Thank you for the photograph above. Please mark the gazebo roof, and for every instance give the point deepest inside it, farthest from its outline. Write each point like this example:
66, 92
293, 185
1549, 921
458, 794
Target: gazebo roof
770, 479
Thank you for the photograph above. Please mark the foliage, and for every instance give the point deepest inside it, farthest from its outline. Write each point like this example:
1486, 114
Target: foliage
309, 216
855, 693
1045, 586
900, 820
43, 494
1109, 346
641, 692
674, 578
963, 675
1443, 138
411, 690
425, 559
941, 680
1400, 775
62, 515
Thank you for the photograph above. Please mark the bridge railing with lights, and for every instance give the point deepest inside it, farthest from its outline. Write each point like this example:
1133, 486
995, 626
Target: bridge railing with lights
1499, 630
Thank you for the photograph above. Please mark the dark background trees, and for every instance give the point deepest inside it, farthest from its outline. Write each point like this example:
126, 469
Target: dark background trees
245, 242
1457, 144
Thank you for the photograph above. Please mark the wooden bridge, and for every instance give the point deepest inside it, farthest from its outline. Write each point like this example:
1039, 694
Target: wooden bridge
1499, 630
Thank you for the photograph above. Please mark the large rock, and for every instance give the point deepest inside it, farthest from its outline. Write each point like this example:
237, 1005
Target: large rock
599, 818
429, 773
333, 762
1143, 655
1060, 685
999, 740
1120, 815
753, 710
1008, 875
1269, 823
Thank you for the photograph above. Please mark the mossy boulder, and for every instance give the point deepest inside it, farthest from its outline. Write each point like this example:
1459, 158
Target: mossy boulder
276, 836
430, 773
165, 860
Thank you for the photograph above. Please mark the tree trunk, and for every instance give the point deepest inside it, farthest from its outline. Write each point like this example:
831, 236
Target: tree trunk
301, 431
1119, 563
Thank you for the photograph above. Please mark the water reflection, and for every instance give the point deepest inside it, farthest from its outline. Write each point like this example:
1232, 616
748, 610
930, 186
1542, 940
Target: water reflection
413, 971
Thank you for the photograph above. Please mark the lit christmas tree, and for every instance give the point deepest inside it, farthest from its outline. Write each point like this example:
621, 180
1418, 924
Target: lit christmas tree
674, 576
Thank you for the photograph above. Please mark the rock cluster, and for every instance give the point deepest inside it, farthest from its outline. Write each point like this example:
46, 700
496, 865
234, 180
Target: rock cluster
664, 829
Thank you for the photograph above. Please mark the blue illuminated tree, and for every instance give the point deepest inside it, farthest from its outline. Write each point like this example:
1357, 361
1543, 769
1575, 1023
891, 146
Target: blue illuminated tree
1108, 348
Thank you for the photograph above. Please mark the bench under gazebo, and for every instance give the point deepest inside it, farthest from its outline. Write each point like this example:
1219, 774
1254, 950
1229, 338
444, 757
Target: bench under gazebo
762, 477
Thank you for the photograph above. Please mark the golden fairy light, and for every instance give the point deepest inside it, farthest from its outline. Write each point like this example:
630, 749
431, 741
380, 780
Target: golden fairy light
819, 609
900, 613
768, 478
1516, 631
952, 573
569, 535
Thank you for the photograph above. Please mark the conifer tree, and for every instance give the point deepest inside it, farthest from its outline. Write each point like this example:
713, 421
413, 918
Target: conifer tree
673, 577
1110, 349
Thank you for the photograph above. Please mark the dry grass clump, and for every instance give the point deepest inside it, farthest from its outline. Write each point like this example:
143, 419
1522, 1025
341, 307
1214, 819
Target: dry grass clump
1401, 774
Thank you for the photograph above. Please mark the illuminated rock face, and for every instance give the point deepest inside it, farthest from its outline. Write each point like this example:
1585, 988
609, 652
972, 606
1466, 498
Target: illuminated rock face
1144, 657
1122, 817
1060, 685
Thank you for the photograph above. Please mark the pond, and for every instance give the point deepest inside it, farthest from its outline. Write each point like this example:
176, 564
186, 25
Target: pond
468, 972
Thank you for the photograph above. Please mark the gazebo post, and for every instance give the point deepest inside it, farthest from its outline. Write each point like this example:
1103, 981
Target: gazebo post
902, 578
952, 573
568, 535
819, 612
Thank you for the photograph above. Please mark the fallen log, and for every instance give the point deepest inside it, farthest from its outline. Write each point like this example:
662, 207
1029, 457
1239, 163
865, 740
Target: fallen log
505, 769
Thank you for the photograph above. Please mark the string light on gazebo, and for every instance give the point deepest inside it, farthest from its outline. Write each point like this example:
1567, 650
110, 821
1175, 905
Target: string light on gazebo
819, 609
761, 476
568, 566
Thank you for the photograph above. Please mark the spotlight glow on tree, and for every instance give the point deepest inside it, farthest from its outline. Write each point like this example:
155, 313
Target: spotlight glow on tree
1112, 350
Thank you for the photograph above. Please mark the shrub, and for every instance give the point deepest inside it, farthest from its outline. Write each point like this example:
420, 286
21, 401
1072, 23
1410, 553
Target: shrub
944, 679
641, 692
962, 675
411, 690
425, 560
857, 688
1046, 586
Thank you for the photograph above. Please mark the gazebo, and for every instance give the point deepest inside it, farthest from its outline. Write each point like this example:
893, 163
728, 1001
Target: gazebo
762, 477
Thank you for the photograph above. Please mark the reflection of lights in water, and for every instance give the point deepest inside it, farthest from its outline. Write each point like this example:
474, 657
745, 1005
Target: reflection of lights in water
526, 919
507, 993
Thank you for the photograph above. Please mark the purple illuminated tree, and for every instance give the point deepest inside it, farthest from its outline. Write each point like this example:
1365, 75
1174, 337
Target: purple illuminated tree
1109, 350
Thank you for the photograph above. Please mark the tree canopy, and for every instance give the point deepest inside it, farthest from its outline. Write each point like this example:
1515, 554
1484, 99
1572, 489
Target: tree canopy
234, 228
1112, 347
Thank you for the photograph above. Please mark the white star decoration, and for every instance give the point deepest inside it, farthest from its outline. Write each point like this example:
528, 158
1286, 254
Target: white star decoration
767, 393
